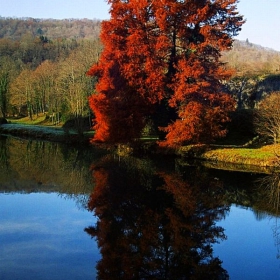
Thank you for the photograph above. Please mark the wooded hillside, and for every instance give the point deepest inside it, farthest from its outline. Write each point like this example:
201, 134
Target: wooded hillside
43, 64
245, 57
251, 59
15, 28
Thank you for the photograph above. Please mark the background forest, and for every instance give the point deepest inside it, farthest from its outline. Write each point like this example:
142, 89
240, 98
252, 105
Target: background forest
43, 65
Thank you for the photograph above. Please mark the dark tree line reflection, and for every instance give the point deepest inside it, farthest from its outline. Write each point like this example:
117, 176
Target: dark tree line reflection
30, 165
155, 224
269, 189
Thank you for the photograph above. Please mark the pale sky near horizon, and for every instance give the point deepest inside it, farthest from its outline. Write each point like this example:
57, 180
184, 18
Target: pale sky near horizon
262, 26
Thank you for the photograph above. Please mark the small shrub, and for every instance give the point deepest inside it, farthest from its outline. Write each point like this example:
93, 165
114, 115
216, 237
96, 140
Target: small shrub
3, 121
79, 125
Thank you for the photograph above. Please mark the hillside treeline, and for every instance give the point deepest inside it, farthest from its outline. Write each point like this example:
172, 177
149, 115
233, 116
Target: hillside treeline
43, 65
15, 28
249, 59
41, 74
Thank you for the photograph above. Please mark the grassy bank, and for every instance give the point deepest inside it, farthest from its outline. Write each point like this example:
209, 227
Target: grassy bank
37, 120
266, 156
42, 128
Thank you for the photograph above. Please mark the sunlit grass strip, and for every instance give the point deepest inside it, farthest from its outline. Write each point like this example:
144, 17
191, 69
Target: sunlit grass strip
26, 120
265, 156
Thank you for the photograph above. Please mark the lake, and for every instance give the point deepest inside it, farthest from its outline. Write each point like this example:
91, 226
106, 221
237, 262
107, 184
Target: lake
71, 212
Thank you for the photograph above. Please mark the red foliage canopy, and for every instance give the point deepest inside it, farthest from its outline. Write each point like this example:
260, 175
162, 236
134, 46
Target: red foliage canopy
164, 50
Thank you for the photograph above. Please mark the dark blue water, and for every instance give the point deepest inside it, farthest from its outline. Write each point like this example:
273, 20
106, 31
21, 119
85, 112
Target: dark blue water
251, 250
79, 213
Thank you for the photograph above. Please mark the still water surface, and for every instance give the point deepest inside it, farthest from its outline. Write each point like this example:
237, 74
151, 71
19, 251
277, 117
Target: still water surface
42, 237
80, 213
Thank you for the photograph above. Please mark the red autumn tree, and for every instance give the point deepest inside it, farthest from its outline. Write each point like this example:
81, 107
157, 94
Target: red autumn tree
164, 52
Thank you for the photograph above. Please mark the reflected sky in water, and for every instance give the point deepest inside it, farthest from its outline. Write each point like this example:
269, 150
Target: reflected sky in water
250, 251
42, 237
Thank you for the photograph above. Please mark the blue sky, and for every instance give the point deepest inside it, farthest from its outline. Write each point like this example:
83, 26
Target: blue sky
262, 26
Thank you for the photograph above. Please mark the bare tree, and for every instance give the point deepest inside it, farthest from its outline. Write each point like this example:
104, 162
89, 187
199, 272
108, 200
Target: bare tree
7, 73
73, 82
44, 86
268, 118
22, 93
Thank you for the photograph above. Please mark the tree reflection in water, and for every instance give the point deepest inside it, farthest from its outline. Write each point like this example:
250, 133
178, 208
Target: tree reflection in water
153, 224
269, 188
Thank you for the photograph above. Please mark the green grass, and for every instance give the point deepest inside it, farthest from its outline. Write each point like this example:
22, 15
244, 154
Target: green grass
37, 120
263, 156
